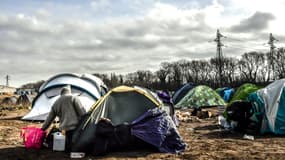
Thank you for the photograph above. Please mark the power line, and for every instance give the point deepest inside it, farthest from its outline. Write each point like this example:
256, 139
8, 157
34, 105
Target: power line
236, 44
244, 48
238, 40
230, 38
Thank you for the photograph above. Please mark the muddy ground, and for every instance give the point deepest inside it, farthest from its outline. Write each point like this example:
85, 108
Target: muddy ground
204, 138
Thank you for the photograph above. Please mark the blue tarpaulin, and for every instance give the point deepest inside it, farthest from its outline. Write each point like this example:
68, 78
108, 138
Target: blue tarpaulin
157, 128
226, 93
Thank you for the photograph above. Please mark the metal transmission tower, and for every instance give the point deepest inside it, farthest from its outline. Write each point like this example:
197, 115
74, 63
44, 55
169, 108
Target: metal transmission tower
271, 55
219, 55
7, 80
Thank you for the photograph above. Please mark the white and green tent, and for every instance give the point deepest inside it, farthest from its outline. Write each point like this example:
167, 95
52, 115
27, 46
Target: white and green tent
269, 105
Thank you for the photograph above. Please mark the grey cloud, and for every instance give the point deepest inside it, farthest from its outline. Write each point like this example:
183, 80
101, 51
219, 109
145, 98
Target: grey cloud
24, 25
40, 50
257, 22
88, 57
198, 53
117, 38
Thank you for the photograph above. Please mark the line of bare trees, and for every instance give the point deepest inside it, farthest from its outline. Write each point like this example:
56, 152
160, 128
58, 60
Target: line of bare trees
252, 67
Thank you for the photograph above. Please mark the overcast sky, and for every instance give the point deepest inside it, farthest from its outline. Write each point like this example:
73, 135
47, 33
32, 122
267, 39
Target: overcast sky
39, 39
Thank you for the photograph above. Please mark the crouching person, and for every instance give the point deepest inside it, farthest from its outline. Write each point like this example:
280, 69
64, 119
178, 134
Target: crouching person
242, 112
68, 109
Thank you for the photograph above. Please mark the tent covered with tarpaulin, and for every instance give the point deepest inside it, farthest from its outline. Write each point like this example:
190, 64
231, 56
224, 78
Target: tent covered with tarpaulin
269, 107
87, 87
126, 117
226, 93
243, 91
181, 92
201, 96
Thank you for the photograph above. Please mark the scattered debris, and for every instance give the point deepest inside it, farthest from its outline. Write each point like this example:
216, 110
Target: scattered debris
190, 129
204, 114
249, 137
185, 116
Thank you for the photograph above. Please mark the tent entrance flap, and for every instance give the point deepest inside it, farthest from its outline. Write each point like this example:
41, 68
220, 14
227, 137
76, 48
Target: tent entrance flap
126, 106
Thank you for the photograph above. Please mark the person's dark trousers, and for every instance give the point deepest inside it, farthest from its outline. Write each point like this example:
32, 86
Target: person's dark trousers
68, 139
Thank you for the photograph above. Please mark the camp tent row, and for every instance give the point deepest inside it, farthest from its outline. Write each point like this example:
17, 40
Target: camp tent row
90, 88
193, 96
133, 116
23, 99
87, 87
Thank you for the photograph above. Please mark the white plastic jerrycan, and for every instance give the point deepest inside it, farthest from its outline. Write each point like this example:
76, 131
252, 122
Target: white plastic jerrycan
58, 141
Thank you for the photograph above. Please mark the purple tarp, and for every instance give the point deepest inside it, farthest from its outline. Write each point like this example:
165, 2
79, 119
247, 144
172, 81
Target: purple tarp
164, 96
157, 128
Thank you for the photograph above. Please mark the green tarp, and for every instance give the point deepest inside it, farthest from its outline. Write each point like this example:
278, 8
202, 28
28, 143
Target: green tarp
200, 96
243, 91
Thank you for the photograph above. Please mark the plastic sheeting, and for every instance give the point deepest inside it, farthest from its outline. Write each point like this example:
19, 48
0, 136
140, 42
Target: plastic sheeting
165, 97
157, 128
226, 93
168, 105
154, 129
110, 137
83, 136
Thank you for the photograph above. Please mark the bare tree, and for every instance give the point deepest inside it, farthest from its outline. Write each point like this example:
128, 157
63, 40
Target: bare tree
252, 67
250, 64
214, 63
279, 63
161, 74
176, 73
230, 67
